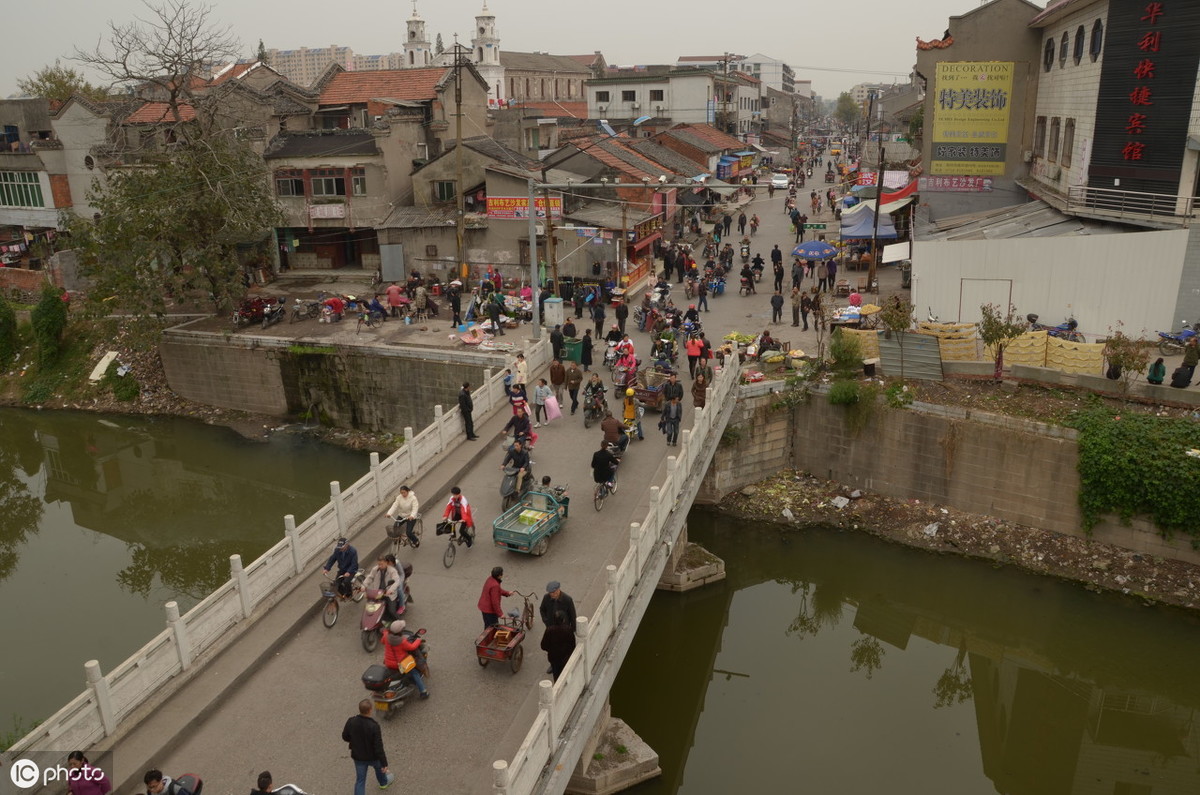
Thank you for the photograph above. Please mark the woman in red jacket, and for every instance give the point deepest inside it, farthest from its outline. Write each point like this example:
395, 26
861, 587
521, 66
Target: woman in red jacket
489, 600
397, 645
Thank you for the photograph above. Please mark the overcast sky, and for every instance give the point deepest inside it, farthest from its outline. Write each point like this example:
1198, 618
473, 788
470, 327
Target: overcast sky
819, 41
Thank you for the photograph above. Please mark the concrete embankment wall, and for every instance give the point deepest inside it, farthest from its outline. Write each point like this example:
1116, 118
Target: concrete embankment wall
368, 388
1018, 470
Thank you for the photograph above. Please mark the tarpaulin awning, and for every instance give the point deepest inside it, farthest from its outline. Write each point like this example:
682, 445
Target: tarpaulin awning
868, 206
897, 251
746, 153
863, 225
646, 241
727, 159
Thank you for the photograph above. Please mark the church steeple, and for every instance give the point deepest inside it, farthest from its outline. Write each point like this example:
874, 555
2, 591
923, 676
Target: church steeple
485, 52
417, 51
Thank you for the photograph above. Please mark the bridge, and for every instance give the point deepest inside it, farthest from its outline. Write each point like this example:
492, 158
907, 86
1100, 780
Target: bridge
249, 679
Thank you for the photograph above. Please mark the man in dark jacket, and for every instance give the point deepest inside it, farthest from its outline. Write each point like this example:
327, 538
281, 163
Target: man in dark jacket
556, 343
557, 607
621, 313
362, 734
465, 406
672, 389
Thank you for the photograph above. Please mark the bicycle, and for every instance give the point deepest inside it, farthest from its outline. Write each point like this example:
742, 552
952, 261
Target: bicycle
459, 534
399, 538
369, 319
602, 492
333, 599
526, 611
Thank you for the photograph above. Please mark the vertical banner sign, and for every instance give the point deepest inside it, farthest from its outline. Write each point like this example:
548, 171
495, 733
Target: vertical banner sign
1151, 50
970, 117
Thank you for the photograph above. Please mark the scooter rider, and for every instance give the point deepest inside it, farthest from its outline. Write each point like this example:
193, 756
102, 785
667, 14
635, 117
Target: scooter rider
405, 508
517, 458
519, 426
386, 577
346, 558
614, 431
692, 315
614, 334
459, 510
593, 390
398, 644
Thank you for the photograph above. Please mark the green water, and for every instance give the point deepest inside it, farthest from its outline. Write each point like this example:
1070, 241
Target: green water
105, 518
830, 662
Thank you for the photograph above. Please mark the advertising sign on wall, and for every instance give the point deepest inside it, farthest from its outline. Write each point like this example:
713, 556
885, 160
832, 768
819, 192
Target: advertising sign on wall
517, 207
971, 107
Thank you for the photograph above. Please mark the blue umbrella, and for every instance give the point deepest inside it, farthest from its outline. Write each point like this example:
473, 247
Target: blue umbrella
814, 249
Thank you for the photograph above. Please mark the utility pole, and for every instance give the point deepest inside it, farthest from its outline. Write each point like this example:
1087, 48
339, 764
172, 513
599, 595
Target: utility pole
872, 271
551, 243
725, 95
460, 215
622, 250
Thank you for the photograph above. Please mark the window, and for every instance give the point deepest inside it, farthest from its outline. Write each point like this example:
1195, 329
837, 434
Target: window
629, 96
602, 96
1097, 40
1055, 130
289, 183
1064, 45
327, 182
1039, 136
443, 191
1068, 143
20, 189
1048, 55
656, 95
358, 181
1080, 34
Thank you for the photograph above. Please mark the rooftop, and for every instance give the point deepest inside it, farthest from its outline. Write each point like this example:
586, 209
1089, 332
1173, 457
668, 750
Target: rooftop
362, 87
159, 112
322, 143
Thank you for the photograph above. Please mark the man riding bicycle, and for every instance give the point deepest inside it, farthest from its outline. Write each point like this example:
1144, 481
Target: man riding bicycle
604, 467
458, 510
346, 558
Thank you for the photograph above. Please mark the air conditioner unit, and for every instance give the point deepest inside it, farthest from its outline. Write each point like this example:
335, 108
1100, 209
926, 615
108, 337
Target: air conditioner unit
635, 105
1027, 155
658, 110
602, 108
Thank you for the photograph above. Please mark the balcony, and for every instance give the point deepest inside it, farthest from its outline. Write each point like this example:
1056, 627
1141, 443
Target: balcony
1146, 209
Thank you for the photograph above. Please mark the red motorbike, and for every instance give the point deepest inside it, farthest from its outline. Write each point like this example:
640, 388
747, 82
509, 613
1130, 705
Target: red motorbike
252, 310
374, 620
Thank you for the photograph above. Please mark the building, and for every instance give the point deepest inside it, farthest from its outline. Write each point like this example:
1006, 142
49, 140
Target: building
861, 92
773, 72
305, 65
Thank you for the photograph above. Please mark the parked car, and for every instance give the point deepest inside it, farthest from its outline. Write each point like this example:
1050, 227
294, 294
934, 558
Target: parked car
779, 181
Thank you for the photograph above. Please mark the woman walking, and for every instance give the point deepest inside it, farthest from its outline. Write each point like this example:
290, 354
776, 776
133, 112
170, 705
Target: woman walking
585, 350
699, 391
540, 393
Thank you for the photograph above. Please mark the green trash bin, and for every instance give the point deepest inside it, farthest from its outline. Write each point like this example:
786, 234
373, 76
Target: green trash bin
571, 348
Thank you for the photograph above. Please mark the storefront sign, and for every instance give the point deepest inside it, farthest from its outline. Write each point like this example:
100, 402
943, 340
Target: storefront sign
327, 211
517, 207
970, 117
817, 227
954, 184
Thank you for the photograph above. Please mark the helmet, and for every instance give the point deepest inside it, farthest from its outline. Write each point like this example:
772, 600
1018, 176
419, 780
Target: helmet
629, 392
397, 627
691, 306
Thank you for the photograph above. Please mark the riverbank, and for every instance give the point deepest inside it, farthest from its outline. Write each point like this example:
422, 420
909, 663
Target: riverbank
795, 499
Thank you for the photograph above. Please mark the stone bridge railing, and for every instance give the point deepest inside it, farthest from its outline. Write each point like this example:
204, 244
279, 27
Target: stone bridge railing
570, 707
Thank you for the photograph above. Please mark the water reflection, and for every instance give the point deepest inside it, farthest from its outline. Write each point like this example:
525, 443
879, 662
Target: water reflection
1053, 689
20, 510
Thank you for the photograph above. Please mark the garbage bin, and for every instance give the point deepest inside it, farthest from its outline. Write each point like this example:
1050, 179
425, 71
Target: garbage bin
571, 347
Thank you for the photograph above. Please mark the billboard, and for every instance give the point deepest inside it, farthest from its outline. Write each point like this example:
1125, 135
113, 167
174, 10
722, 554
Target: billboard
970, 117
517, 207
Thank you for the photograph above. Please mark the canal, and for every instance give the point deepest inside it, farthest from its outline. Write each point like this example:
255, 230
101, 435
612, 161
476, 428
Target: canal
105, 518
834, 662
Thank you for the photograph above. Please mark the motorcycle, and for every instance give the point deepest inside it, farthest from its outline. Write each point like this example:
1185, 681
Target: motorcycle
274, 313
508, 485
746, 288
745, 253
1064, 331
374, 620
389, 689
302, 309
1171, 343
593, 411
611, 355
252, 311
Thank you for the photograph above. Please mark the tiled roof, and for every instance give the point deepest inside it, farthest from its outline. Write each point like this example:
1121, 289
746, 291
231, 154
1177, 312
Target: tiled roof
233, 71
541, 62
322, 143
420, 217
490, 147
361, 87
713, 139
668, 157
619, 148
159, 112
551, 108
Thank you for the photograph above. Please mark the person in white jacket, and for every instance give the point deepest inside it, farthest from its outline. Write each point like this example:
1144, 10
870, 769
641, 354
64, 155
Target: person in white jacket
388, 577
405, 507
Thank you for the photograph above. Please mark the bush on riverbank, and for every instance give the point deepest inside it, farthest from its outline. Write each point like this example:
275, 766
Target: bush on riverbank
9, 341
49, 325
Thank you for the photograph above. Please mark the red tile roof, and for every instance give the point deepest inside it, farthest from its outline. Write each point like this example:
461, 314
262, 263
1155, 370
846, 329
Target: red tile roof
232, 72
360, 87
159, 112
711, 134
574, 110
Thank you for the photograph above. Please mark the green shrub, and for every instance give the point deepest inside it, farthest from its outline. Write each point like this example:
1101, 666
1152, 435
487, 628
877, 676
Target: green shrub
49, 323
8, 333
846, 352
38, 392
125, 388
844, 393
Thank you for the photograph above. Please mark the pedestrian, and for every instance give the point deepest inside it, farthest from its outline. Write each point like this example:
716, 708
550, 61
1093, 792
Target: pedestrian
777, 307
557, 607
702, 293
797, 299
822, 278
466, 405
672, 388
520, 374
1191, 357
556, 342
362, 734
568, 329
778, 269
805, 308
558, 379
672, 415
1158, 371
621, 313
797, 274
454, 296
705, 364
776, 255
818, 311
742, 223
558, 641
264, 784
574, 380
598, 315
83, 778
727, 222
585, 350
699, 391
393, 298
694, 349
831, 267
540, 392
489, 599
493, 310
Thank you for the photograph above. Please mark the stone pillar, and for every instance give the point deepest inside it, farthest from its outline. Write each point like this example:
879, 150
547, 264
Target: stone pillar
613, 771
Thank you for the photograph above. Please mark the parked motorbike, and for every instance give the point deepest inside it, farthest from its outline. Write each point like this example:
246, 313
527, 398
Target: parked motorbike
305, 310
252, 310
1171, 343
508, 485
1065, 330
274, 313
389, 689
374, 620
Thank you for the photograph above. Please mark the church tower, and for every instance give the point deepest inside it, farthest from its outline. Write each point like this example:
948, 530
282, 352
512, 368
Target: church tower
417, 51
485, 53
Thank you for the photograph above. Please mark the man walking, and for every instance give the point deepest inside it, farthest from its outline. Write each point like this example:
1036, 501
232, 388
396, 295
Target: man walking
797, 274
598, 315
702, 293
778, 268
574, 380
672, 414
465, 406
362, 734
520, 374
556, 342
621, 313
777, 307
557, 607
797, 299
742, 223
776, 256
727, 222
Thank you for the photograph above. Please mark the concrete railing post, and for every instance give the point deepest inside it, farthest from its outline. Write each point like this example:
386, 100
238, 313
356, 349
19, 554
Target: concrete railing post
289, 530
183, 646
99, 687
672, 484
546, 703
441, 427
635, 535
335, 496
375, 477
500, 777
611, 570
583, 629
242, 582
412, 453
487, 390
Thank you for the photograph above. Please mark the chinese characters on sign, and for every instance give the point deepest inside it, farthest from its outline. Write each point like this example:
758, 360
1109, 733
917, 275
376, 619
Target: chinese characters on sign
514, 207
1142, 94
970, 117
955, 184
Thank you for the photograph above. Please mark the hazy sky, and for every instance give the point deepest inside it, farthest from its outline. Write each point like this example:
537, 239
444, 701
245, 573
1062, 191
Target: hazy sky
819, 40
